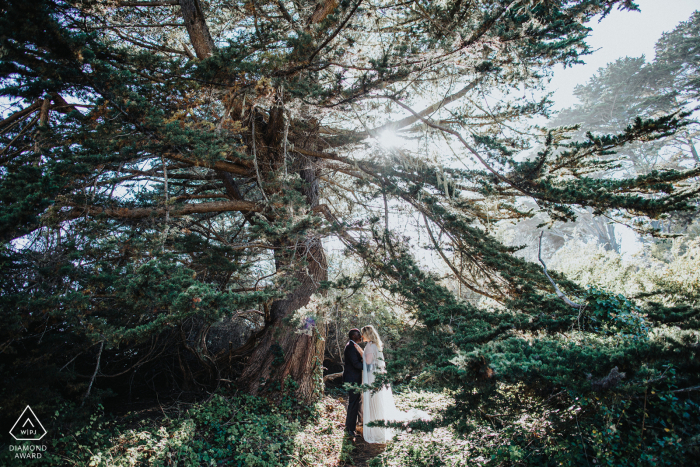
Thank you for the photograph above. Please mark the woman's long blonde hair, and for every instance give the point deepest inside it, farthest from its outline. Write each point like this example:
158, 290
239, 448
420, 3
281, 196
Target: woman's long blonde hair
372, 335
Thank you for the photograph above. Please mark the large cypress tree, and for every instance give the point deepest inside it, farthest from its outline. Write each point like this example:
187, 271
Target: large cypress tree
171, 163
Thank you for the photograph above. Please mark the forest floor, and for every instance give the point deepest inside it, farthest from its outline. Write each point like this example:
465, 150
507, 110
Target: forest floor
234, 429
407, 448
359, 451
325, 443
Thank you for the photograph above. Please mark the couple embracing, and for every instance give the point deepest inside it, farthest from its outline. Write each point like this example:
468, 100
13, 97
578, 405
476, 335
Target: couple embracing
362, 367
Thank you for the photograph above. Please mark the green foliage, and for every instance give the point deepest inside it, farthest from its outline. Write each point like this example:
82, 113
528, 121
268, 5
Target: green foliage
174, 192
614, 314
539, 359
139, 306
238, 430
229, 428
655, 427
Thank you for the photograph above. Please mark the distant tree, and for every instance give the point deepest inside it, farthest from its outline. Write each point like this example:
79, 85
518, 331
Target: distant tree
612, 99
632, 87
677, 62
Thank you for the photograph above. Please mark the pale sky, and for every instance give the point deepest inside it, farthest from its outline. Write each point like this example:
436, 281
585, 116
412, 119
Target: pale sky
621, 34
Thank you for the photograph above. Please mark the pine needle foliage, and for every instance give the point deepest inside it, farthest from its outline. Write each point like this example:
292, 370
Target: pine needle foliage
171, 166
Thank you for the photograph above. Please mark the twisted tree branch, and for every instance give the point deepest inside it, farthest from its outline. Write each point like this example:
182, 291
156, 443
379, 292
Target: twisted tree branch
560, 294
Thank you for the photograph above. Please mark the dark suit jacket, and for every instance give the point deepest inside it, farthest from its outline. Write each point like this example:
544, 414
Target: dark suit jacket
353, 364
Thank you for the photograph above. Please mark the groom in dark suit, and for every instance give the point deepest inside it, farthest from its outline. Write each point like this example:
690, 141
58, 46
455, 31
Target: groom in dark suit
353, 374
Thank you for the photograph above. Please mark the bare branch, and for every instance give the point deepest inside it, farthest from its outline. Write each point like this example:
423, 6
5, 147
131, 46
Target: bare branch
222, 166
560, 294
454, 269
693, 388
321, 155
464, 143
146, 45
97, 367
21, 113
44, 112
323, 10
284, 11
197, 28
404, 122
335, 33
60, 105
183, 210
255, 157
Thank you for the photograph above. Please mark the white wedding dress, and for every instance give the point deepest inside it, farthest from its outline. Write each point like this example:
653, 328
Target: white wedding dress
380, 405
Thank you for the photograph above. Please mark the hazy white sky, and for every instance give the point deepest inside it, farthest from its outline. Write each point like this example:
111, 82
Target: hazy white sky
621, 34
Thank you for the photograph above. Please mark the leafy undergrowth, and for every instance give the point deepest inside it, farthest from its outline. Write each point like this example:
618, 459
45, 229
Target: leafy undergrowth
231, 430
241, 430
238, 430
609, 428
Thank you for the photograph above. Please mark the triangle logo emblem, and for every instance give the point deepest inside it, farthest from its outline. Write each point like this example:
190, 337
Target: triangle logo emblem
28, 427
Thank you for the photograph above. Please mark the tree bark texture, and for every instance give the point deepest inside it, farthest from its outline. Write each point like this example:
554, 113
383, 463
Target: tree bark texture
281, 350
284, 351
197, 28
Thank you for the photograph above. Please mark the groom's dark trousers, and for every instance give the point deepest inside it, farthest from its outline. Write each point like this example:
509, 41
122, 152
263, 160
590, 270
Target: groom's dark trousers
352, 374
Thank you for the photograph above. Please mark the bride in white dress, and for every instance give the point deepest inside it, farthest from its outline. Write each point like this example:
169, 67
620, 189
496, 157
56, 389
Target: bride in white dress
380, 405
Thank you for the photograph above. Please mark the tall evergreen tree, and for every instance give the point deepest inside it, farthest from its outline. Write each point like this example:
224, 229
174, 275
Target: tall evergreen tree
172, 163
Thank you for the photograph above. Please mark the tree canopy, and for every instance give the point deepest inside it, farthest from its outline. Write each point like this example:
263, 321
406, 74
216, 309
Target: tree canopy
169, 164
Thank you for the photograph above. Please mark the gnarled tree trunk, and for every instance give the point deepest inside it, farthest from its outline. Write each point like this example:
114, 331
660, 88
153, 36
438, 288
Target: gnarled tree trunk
284, 350
281, 350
